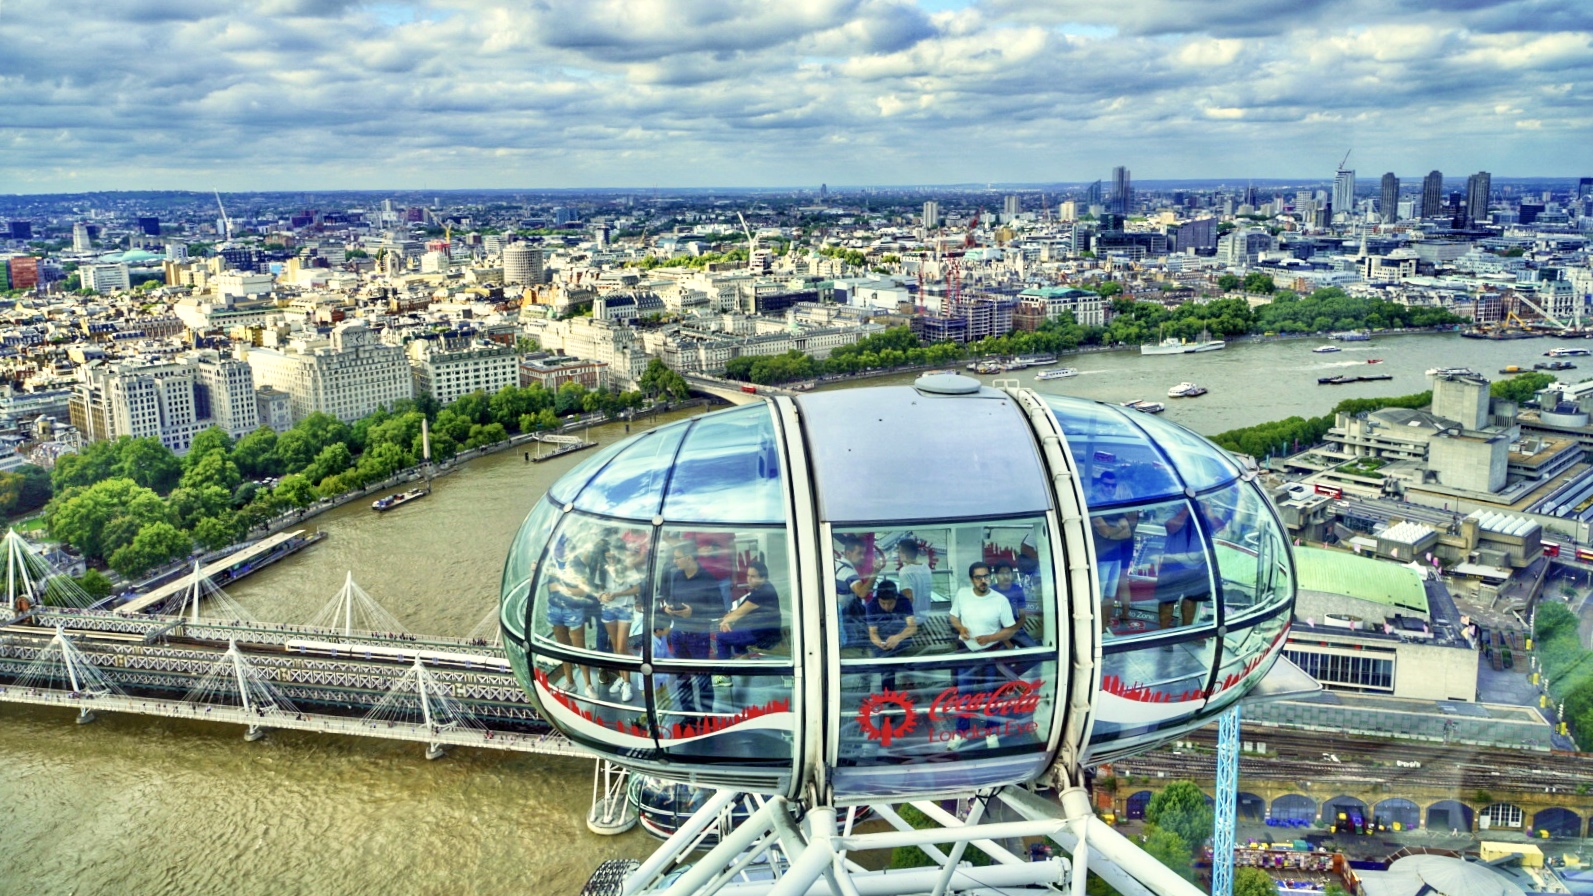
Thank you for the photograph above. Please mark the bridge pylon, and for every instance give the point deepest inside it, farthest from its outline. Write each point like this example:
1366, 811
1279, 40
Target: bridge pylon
235, 683
353, 610
60, 666
420, 701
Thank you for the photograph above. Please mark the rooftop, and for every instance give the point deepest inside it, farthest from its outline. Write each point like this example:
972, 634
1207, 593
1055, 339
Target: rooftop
1335, 572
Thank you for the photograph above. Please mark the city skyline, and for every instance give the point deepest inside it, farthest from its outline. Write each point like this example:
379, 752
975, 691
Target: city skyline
300, 94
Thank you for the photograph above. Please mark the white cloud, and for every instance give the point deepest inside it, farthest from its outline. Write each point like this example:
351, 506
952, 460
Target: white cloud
327, 93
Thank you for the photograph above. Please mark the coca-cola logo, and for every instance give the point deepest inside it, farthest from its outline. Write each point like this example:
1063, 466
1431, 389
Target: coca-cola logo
890, 715
1011, 698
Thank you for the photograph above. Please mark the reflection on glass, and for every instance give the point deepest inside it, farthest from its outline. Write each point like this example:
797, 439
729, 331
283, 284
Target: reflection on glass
1102, 437
524, 552
1251, 553
1193, 458
744, 716
1146, 689
1242, 650
728, 471
933, 717
1169, 582
633, 482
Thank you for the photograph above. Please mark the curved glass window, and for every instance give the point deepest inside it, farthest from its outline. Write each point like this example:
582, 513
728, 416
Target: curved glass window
1165, 583
721, 644
633, 482
970, 668
1102, 439
524, 552
1197, 462
728, 471
1145, 690
571, 483
1252, 556
1243, 649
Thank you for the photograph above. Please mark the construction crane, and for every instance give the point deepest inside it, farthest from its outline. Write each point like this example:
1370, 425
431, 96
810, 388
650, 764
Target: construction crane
1345, 159
226, 222
752, 241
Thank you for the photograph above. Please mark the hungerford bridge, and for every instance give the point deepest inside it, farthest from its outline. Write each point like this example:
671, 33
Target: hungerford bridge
353, 670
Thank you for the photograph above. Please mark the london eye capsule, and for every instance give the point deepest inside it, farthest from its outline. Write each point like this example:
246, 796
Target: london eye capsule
897, 592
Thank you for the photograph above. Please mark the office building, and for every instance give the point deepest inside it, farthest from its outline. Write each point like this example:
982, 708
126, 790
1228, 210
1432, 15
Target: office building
1388, 207
931, 217
522, 264
1479, 187
449, 366
1122, 192
104, 277
1344, 192
1010, 208
24, 271
1092, 195
172, 401
81, 241
149, 226
1432, 195
20, 230
349, 375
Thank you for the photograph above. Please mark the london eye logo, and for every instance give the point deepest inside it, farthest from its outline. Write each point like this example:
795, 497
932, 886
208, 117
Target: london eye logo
887, 716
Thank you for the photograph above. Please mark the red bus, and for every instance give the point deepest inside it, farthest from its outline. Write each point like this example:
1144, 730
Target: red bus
1584, 555
1550, 549
1330, 491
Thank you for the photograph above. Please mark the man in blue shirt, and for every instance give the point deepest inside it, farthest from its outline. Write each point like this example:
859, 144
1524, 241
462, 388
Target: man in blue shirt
891, 625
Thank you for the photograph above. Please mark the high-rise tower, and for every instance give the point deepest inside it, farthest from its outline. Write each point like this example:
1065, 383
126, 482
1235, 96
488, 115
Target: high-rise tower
1122, 191
1388, 207
1432, 194
1344, 192
1478, 188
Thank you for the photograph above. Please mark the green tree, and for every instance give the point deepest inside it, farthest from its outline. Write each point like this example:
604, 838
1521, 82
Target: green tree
215, 470
93, 464
217, 532
1259, 282
296, 490
212, 440
25, 489
147, 462
913, 857
1253, 882
95, 584
256, 453
1181, 808
1171, 850
189, 505
100, 518
1522, 387
332, 460
154, 544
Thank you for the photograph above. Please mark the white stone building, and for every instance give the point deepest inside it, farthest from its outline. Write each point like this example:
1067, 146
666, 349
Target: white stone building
449, 368
348, 376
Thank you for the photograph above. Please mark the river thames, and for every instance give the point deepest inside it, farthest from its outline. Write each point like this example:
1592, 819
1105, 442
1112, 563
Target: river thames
140, 805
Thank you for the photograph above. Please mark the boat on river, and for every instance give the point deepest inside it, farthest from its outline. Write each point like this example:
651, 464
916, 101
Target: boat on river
382, 505
388, 503
1056, 373
1186, 390
1145, 407
1567, 352
1325, 349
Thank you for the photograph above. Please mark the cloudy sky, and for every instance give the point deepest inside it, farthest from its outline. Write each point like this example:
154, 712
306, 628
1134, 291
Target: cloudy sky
438, 94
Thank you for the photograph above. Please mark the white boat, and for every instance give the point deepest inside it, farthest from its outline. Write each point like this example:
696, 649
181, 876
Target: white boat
1172, 345
1567, 352
1185, 390
1324, 349
1175, 346
1056, 373
1147, 407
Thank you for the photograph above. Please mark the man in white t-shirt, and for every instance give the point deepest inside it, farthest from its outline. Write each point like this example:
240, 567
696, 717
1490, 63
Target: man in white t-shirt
916, 581
982, 618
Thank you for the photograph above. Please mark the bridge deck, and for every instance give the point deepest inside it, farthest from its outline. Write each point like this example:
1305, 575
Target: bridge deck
547, 744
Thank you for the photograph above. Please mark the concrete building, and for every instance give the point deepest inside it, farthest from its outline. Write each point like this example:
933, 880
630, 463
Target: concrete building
1366, 625
1039, 304
448, 366
1479, 188
522, 264
1432, 194
105, 277
552, 372
224, 392
349, 375
274, 408
1343, 192
618, 347
1388, 201
139, 399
